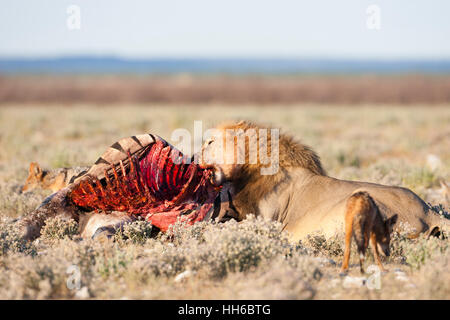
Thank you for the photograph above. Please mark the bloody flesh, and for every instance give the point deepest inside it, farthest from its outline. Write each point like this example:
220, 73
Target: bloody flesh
162, 186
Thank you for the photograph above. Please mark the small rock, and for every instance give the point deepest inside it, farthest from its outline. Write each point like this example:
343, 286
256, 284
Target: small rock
184, 275
334, 283
332, 262
354, 282
433, 162
401, 276
324, 261
83, 293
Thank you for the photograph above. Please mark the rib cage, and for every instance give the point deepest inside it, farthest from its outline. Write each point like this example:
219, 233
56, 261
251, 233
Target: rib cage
154, 181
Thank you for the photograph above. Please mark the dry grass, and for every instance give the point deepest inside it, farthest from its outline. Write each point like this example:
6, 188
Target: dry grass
252, 260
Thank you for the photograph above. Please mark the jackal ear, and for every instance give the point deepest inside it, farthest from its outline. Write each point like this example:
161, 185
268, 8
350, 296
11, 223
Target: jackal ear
35, 168
392, 221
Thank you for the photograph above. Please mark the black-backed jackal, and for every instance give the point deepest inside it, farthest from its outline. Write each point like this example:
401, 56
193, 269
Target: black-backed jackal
364, 222
53, 179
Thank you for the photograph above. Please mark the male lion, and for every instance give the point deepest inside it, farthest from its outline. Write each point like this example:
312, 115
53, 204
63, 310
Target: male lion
299, 194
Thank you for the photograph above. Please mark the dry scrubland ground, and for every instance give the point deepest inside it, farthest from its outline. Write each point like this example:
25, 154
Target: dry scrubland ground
384, 144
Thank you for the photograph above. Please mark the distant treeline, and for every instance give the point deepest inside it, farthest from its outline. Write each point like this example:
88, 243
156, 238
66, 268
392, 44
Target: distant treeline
233, 89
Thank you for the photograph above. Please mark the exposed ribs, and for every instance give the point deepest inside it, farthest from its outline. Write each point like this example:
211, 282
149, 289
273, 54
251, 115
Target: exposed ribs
161, 186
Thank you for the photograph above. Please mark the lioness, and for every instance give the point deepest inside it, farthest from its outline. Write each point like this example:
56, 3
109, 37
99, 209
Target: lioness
299, 194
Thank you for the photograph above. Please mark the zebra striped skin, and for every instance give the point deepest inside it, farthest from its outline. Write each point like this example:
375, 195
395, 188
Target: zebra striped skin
137, 145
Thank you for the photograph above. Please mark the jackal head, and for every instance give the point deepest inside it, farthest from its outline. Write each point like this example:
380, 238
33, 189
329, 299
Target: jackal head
35, 175
383, 235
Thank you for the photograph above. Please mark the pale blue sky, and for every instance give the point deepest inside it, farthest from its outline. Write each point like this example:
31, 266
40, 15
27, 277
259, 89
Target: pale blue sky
226, 28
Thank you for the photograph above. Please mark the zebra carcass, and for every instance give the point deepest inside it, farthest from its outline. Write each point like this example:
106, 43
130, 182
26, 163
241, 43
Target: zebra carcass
142, 176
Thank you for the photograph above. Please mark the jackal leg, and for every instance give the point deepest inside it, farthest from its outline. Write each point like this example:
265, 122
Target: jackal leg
362, 251
348, 244
373, 243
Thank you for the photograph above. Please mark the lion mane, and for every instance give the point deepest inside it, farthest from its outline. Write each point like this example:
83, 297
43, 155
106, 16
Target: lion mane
249, 185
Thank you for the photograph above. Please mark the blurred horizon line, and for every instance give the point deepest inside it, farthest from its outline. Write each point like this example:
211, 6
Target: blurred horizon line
116, 64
